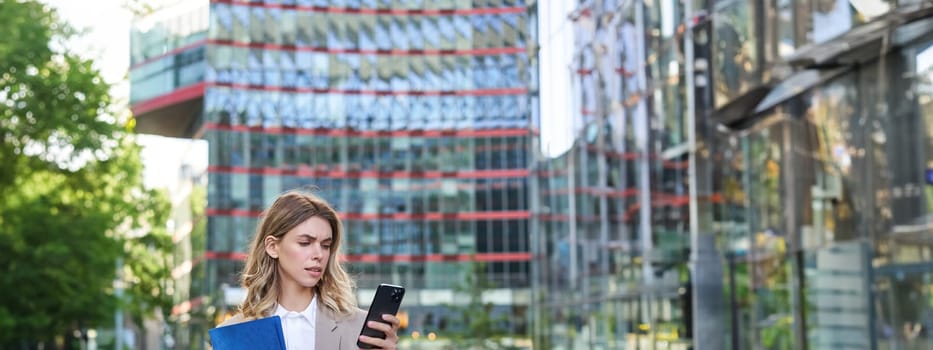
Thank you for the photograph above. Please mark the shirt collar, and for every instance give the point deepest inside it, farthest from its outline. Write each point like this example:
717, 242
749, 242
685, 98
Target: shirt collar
309, 312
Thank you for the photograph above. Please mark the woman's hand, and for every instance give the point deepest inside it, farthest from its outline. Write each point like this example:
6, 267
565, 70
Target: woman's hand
391, 331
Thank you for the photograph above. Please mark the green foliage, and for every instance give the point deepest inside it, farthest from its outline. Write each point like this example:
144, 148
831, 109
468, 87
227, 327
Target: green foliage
148, 261
478, 328
52, 251
53, 105
543, 323
779, 335
71, 183
198, 205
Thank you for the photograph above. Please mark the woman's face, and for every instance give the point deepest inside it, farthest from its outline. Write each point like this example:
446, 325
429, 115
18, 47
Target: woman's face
303, 252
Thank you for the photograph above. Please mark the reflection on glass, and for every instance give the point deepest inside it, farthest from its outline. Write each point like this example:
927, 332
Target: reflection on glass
303, 28
352, 34
430, 33
464, 32
381, 29
254, 66
367, 33
274, 26
256, 24
336, 31
837, 297
319, 29
830, 18
827, 191
447, 33
253, 108
785, 28
221, 27
269, 108
734, 53
758, 259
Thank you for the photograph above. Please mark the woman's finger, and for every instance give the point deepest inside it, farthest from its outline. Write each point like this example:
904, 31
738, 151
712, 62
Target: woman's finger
378, 343
379, 326
392, 319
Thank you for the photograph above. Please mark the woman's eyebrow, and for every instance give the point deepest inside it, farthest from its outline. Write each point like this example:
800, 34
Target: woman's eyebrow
313, 237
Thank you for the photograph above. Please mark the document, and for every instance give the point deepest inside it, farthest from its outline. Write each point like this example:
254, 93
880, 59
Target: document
262, 334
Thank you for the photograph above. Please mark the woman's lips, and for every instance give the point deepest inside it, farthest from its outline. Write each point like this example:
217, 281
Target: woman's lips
315, 271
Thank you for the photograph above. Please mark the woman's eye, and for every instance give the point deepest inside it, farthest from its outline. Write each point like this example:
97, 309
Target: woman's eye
304, 244
326, 246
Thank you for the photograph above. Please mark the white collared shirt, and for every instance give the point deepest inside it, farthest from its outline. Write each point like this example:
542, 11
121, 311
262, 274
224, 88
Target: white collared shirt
298, 326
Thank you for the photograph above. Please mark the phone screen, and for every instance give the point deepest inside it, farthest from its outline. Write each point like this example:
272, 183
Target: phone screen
387, 301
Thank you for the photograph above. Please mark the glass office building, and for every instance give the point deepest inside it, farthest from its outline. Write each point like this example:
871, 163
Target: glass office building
414, 119
825, 227
613, 235
812, 189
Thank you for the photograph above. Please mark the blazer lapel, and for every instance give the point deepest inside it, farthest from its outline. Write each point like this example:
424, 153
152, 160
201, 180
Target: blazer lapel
326, 336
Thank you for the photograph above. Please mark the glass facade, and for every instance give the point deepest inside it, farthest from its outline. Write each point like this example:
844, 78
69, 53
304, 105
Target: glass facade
822, 188
413, 119
167, 51
811, 217
829, 200
613, 208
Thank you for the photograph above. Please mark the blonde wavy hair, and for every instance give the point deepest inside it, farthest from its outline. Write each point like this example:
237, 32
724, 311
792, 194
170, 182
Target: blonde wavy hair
261, 279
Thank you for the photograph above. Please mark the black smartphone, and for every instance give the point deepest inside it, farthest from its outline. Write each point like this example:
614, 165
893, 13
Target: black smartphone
387, 301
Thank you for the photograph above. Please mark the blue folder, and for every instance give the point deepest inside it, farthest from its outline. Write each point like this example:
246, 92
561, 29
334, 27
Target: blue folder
261, 334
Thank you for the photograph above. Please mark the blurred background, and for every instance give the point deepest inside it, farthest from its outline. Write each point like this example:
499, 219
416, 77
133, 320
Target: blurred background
539, 174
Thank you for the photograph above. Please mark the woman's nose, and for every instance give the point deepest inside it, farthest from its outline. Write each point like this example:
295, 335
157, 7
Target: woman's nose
317, 252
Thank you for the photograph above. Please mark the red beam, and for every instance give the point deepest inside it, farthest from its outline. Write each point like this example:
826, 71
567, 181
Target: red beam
238, 256
391, 52
488, 257
566, 218
445, 133
391, 11
309, 172
177, 96
232, 212
473, 92
462, 216
225, 255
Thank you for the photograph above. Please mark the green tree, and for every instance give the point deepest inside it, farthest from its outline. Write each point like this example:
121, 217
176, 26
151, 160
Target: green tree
147, 271
71, 183
475, 326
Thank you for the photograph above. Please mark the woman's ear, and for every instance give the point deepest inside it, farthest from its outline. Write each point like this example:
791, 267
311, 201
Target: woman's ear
272, 246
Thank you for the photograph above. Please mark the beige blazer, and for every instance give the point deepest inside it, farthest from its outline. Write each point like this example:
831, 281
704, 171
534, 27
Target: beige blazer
332, 332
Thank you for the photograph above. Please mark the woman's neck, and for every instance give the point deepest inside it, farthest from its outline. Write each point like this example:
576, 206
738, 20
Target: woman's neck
294, 297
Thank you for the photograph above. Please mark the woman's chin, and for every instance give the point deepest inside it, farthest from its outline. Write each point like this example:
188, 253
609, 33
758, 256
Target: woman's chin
309, 283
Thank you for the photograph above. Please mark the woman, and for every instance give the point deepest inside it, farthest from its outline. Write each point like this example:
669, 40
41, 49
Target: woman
294, 271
